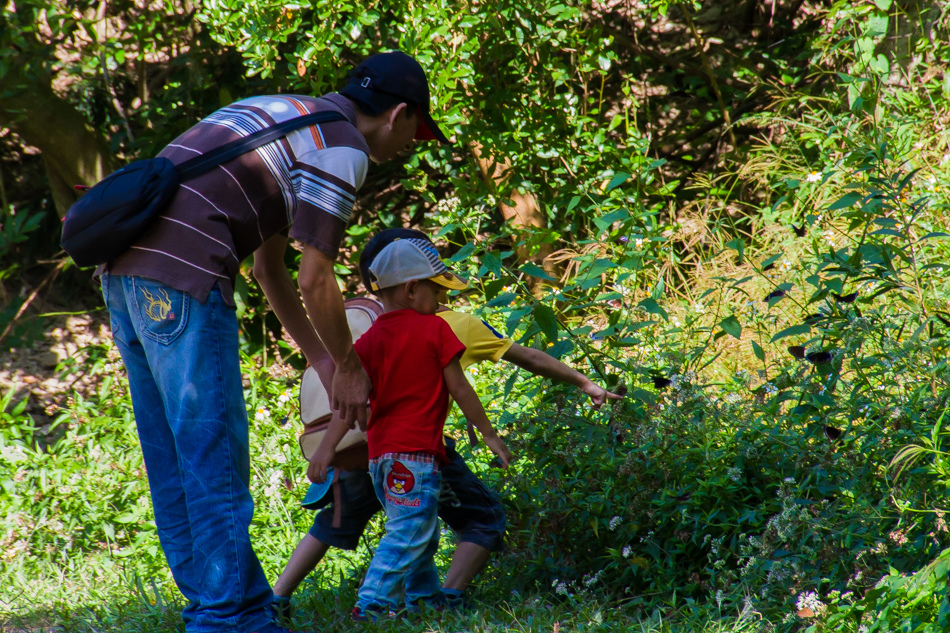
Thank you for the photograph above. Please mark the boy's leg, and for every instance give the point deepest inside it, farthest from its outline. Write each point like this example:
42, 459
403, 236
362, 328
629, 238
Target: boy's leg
422, 579
474, 513
358, 504
409, 490
307, 555
195, 444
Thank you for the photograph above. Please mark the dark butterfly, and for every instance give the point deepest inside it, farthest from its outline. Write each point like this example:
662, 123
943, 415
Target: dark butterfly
769, 266
682, 498
846, 298
660, 381
775, 294
284, 420
817, 358
814, 318
832, 433
797, 351
799, 230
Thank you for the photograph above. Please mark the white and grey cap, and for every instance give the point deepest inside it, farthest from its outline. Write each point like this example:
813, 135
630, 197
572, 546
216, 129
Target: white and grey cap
410, 260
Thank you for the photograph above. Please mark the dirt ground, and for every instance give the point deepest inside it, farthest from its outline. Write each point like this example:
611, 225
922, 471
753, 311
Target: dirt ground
32, 371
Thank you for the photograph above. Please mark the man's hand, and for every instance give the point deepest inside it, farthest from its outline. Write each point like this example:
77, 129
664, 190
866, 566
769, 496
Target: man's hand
317, 470
350, 396
598, 395
499, 448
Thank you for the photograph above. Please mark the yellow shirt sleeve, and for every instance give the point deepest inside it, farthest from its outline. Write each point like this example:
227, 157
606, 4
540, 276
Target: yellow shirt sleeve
481, 341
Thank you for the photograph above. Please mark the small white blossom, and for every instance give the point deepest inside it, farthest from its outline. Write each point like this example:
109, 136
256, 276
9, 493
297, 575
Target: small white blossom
615, 523
262, 414
814, 176
626, 551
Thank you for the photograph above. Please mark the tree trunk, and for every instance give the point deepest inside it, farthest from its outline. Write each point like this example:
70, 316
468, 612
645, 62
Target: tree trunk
73, 152
524, 214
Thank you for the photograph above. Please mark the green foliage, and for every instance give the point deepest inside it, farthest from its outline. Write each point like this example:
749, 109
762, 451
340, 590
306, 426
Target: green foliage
743, 484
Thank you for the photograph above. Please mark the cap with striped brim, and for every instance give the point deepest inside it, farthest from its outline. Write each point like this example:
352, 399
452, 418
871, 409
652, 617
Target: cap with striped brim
410, 260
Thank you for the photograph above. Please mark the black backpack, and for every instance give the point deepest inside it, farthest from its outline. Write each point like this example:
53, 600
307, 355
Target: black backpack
118, 210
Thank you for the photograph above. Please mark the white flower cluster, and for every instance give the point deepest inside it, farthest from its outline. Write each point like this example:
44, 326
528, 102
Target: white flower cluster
274, 481
814, 176
448, 206
615, 523
626, 551
810, 600
590, 579
12, 453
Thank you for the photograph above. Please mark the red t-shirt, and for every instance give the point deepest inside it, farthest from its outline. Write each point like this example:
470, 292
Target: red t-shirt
404, 353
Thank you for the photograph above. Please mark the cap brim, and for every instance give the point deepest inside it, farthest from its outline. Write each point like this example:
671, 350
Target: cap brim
318, 494
428, 130
450, 281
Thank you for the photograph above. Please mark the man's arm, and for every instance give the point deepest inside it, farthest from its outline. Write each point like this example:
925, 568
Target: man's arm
463, 394
541, 364
321, 296
271, 273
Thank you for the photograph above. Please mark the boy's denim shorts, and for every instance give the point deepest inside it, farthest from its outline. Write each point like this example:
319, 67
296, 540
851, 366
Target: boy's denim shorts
466, 504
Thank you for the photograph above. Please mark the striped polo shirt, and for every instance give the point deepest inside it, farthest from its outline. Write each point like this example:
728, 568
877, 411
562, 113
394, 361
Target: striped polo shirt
305, 181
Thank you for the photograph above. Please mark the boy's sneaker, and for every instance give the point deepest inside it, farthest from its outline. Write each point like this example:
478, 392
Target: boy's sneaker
283, 610
455, 600
371, 615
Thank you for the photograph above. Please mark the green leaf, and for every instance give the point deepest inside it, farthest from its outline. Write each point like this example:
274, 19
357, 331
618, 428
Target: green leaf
535, 271
493, 287
604, 222
737, 245
546, 321
617, 180
463, 252
651, 306
732, 327
758, 351
802, 328
891, 232
502, 300
845, 201
935, 234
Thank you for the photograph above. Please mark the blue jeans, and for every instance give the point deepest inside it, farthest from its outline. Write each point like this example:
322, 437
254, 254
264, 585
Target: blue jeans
466, 504
184, 375
404, 561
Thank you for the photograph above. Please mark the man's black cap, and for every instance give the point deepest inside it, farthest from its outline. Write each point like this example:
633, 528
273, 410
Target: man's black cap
398, 75
380, 241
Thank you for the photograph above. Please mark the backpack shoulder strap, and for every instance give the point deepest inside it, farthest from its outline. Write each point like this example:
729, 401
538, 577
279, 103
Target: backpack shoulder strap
209, 160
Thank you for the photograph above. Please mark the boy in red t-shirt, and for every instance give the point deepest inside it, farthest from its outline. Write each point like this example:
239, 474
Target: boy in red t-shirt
412, 359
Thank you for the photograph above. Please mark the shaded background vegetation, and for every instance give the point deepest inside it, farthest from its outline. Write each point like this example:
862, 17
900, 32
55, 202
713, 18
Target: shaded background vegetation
679, 197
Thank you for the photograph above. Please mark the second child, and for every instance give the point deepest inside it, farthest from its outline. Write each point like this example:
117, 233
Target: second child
412, 359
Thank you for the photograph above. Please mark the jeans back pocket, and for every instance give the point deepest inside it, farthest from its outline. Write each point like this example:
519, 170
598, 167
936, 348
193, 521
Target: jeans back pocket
161, 311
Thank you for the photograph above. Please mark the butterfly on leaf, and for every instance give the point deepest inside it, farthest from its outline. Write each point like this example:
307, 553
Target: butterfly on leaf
797, 351
817, 358
660, 381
